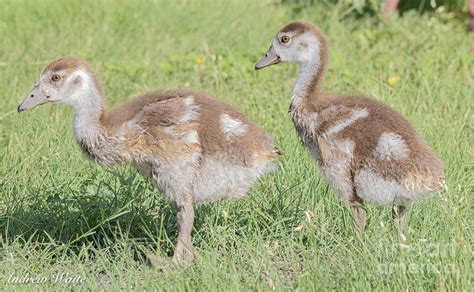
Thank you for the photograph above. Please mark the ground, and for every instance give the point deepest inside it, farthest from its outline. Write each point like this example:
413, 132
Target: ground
63, 216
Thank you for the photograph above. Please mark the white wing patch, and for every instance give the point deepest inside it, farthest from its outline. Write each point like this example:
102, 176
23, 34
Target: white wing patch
391, 146
356, 115
190, 138
232, 127
192, 112
188, 101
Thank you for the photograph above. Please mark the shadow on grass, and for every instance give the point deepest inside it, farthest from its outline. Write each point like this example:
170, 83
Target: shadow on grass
122, 207
96, 214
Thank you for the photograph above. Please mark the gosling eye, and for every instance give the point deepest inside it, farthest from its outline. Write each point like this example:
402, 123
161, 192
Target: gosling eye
56, 77
285, 39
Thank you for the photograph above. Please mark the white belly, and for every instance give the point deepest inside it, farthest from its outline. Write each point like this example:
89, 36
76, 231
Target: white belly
217, 179
375, 189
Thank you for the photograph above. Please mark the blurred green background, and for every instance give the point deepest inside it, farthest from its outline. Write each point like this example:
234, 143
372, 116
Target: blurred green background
374, 7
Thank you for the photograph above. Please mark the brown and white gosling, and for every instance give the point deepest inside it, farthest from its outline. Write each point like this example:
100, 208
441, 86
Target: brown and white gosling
367, 151
192, 147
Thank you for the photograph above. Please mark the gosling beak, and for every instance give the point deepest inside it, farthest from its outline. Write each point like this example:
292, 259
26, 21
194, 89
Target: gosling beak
269, 59
33, 99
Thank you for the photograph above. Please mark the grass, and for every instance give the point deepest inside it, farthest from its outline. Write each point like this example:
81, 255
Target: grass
60, 213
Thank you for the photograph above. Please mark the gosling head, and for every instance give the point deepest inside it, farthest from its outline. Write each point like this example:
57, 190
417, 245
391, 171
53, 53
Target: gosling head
67, 80
298, 42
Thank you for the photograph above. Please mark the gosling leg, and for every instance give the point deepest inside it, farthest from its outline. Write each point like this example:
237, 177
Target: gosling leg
399, 217
183, 253
359, 214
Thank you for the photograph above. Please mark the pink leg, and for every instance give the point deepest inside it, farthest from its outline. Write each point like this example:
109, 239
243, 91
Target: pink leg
183, 253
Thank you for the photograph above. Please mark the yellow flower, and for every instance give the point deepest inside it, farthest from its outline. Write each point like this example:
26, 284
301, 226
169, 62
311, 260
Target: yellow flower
199, 61
393, 80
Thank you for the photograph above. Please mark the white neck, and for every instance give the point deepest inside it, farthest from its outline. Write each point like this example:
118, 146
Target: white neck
87, 112
306, 76
308, 71
307, 55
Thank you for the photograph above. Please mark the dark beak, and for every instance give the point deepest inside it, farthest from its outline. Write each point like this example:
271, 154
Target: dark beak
33, 99
269, 59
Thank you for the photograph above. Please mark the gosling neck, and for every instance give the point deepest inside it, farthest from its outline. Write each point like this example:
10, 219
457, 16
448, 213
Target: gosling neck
87, 124
309, 84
